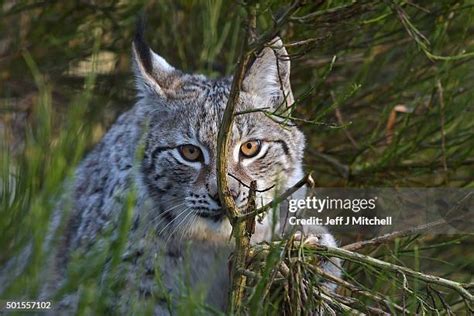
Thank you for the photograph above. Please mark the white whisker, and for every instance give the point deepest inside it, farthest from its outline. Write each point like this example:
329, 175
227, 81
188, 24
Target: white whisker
168, 210
177, 227
174, 219
192, 220
160, 218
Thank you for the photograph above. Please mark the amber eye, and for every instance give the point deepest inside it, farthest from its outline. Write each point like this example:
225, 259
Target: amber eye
250, 149
190, 152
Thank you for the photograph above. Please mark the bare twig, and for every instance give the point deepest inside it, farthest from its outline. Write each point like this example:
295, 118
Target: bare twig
225, 131
285, 271
340, 120
248, 186
328, 251
357, 257
306, 180
443, 131
240, 228
355, 289
242, 240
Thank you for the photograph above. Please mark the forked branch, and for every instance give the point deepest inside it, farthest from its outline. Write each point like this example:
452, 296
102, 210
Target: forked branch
241, 231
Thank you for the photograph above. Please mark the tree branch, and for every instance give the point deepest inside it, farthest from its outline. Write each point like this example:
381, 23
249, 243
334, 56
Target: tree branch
357, 257
240, 231
306, 180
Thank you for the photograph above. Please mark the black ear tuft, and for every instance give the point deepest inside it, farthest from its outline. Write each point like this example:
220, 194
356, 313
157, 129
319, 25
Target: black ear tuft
153, 74
141, 47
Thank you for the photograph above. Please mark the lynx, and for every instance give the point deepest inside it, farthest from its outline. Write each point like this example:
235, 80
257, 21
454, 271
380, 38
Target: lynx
164, 151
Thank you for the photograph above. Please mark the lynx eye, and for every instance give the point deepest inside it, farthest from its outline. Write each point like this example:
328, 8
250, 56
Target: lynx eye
190, 152
250, 149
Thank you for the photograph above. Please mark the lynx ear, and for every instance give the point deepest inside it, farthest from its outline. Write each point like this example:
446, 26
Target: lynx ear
153, 74
269, 75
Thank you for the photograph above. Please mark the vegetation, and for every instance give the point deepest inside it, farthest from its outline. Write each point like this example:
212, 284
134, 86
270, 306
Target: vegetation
383, 92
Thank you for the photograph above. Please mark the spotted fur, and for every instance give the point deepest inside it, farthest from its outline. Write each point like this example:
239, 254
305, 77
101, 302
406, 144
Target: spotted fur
178, 222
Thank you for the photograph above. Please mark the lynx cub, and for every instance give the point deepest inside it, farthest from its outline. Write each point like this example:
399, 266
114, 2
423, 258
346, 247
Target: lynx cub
179, 229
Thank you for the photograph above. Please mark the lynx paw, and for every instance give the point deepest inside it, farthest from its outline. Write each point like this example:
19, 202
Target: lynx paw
330, 265
310, 239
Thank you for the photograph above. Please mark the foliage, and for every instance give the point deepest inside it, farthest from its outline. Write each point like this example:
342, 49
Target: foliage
383, 88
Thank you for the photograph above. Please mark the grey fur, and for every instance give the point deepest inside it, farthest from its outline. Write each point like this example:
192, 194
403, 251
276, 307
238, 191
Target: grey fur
175, 109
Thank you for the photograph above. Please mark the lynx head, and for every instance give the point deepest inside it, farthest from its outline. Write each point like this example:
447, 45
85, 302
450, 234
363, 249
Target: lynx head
184, 112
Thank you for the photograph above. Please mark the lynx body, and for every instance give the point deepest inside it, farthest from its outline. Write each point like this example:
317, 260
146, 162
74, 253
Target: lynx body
164, 151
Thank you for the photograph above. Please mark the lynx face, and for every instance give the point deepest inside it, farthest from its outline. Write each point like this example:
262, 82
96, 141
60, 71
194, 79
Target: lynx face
184, 113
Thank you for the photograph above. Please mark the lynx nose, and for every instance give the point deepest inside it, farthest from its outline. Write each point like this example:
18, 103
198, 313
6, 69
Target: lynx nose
215, 197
